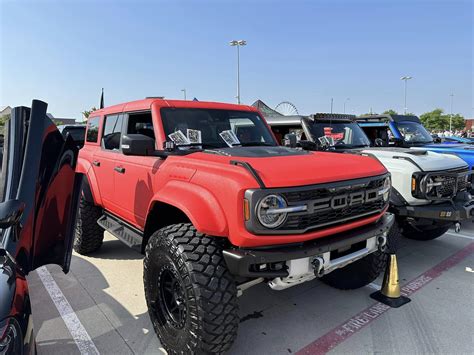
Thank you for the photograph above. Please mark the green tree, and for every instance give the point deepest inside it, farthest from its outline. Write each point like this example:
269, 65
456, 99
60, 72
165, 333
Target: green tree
3, 119
87, 113
439, 121
390, 112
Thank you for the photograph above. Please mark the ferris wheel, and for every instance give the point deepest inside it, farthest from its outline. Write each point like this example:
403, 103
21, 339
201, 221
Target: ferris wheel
286, 108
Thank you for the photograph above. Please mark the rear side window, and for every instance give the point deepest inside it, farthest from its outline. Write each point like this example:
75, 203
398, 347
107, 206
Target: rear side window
93, 129
140, 123
112, 132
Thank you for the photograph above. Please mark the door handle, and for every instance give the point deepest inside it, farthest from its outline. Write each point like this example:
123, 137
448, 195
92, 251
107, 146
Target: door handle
120, 169
96, 163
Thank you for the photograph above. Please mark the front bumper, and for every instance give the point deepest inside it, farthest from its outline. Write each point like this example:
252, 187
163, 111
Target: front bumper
244, 262
457, 210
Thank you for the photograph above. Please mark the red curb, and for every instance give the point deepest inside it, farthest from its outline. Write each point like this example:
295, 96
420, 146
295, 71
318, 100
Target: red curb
359, 321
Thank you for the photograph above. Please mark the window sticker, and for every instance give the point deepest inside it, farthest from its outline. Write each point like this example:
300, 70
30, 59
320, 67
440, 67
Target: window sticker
194, 136
179, 138
230, 138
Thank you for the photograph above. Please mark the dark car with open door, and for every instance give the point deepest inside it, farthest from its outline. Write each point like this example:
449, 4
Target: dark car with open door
39, 191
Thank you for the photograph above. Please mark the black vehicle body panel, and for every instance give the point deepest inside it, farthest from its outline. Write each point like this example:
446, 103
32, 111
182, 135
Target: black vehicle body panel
39, 190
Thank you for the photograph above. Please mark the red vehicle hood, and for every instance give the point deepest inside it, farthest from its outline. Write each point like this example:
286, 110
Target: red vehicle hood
300, 168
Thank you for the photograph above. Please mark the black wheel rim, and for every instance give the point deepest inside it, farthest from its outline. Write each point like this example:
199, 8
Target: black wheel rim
172, 299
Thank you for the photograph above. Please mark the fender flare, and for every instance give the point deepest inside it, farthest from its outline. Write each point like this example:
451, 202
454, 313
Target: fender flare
197, 203
396, 198
90, 186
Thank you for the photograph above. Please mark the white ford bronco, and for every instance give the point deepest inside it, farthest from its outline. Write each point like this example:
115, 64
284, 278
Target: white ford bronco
430, 191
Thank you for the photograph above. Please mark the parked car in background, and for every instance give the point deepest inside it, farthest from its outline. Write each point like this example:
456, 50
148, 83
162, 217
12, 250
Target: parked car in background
429, 190
39, 192
77, 132
408, 132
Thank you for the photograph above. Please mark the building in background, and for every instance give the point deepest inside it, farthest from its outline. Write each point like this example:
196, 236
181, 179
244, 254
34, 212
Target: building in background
469, 124
5, 110
61, 120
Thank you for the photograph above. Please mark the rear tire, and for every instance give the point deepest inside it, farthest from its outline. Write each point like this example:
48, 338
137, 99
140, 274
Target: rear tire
89, 235
424, 234
190, 294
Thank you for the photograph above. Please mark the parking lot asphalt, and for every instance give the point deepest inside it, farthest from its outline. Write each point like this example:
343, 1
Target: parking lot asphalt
101, 302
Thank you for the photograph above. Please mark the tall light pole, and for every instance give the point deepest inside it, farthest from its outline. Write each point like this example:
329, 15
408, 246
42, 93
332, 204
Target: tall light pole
238, 43
332, 101
406, 78
184, 93
345, 104
451, 115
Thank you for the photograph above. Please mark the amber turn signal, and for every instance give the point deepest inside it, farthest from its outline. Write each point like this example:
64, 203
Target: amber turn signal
246, 209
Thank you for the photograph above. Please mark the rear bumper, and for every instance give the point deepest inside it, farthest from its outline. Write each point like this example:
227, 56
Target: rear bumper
243, 262
457, 210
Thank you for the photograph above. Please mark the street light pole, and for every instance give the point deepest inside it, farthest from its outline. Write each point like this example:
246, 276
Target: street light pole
345, 104
332, 101
238, 43
451, 115
184, 93
406, 78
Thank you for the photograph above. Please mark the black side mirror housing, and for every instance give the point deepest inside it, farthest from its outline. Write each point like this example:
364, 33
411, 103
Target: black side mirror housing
290, 140
11, 212
137, 144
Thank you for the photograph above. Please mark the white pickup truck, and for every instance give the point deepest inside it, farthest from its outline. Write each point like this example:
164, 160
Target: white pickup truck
430, 191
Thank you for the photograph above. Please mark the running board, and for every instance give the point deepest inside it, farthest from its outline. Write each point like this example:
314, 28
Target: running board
125, 233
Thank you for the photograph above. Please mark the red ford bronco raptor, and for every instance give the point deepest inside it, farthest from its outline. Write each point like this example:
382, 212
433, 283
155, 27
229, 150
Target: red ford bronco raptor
216, 206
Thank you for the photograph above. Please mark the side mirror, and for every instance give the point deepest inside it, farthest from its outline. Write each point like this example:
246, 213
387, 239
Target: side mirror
437, 140
10, 213
137, 144
290, 140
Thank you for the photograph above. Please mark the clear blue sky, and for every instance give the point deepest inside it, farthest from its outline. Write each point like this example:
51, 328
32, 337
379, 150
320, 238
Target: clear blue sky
306, 52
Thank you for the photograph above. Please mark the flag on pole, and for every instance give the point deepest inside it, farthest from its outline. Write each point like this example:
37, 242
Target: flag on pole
102, 99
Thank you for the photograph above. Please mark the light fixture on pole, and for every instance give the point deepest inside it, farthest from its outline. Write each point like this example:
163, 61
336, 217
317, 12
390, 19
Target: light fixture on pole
184, 93
406, 78
238, 43
332, 102
348, 99
451, 115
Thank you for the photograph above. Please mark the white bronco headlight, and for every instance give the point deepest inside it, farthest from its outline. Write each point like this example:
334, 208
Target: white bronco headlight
272, 211
385, 191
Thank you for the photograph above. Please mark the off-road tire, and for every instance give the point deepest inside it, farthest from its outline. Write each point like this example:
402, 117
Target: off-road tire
209, 292
424, 234
89, 235
364, 271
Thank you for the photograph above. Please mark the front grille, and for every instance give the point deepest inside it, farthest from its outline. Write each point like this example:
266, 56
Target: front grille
320, 214
449, 182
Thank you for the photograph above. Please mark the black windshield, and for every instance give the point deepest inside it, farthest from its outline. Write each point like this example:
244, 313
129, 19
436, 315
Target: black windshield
345, 135
215, 127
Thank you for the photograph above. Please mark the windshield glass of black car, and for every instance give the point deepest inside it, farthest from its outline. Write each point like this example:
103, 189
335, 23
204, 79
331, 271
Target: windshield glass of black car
341, 134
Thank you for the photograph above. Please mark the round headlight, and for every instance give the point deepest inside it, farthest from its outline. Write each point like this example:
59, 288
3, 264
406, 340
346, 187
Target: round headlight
387, 185
268, 211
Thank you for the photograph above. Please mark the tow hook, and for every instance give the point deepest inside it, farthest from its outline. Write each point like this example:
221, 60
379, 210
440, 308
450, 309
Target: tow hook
457, 227
318, 264
382, 241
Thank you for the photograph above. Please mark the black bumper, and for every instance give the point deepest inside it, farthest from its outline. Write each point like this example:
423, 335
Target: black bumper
239, 261
450, 211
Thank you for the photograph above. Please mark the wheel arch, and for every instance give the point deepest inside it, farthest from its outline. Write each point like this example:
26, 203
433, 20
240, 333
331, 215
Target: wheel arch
182, 202
90, 186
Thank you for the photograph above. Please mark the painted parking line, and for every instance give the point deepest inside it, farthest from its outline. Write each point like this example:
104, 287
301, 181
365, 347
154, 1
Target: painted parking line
359, 321
460, 235
73, 324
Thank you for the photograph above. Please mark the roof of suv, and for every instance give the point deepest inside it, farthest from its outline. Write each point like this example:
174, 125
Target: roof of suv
147, 103
384, 117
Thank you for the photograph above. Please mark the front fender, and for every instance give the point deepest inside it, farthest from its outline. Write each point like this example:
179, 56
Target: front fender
85, 167
198, 203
